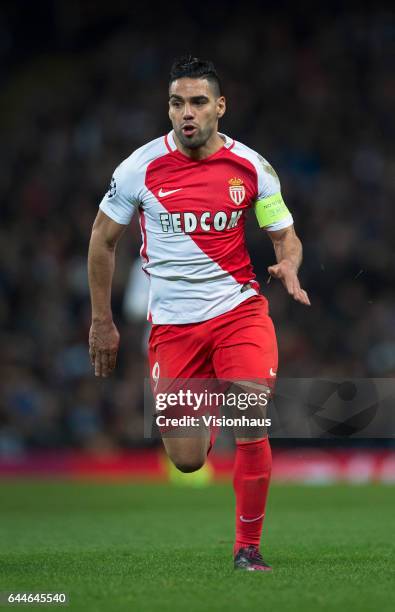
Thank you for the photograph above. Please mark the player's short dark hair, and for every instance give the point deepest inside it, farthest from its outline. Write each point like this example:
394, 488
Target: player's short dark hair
195, 68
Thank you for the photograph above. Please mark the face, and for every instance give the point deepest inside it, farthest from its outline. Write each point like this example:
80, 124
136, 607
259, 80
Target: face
194, 111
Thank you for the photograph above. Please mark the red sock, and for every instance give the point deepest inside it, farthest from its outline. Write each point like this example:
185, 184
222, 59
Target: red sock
251, 478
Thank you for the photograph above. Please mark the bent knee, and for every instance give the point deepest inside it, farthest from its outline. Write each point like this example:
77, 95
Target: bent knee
189, 465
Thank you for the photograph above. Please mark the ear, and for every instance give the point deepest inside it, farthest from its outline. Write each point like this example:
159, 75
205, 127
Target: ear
221, 107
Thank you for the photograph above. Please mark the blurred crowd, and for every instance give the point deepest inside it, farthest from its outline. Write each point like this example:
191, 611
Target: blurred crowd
313, 93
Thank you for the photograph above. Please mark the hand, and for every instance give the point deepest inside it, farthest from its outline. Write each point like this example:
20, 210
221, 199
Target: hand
103, 347
286, 272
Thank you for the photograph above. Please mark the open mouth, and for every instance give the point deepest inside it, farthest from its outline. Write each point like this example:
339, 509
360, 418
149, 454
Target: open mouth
189, 130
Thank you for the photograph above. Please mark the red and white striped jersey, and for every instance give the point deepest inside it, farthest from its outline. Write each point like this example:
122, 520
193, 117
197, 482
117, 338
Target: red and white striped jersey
192, 218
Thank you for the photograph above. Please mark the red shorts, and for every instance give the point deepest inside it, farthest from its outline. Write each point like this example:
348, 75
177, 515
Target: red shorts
237, 345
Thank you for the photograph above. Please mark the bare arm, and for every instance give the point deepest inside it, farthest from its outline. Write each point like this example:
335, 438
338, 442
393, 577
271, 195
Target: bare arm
288, 249
103, 335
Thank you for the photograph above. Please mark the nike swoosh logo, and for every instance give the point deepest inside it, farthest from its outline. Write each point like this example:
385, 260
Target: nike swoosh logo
244, 520
163, 194
272, 372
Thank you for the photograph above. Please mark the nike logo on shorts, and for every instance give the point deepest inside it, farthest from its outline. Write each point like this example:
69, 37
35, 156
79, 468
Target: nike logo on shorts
163, 194
244, 520
272, 372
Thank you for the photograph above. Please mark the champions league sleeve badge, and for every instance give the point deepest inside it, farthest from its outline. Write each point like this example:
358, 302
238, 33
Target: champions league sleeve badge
112, 190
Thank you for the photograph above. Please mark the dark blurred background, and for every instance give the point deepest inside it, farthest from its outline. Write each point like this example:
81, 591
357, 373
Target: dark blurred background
83, 85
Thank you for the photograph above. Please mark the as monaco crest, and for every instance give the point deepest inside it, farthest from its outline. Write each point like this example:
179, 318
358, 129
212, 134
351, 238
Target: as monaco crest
237, 190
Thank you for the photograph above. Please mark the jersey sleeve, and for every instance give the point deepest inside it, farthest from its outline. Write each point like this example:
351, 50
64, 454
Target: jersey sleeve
270, 208
121, 200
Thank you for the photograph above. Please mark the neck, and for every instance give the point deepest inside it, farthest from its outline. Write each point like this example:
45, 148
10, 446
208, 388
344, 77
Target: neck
211, 146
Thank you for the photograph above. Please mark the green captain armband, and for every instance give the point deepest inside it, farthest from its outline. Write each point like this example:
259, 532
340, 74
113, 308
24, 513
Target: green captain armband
270, 210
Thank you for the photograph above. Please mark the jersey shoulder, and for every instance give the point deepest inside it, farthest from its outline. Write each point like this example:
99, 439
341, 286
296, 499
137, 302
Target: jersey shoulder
256, 158
128, 181
129, 176
144, 155
268, 181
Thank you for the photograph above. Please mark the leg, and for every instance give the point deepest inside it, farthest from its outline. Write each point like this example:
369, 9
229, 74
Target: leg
248, 355
252, 469
179, 359
251, 480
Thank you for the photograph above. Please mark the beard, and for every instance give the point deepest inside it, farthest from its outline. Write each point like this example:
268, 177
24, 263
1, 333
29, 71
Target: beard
197, 140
